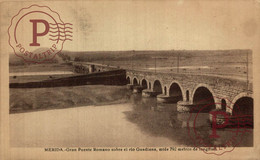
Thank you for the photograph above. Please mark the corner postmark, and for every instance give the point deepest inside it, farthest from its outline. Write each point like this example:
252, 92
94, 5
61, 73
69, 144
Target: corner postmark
37, 34
225, 130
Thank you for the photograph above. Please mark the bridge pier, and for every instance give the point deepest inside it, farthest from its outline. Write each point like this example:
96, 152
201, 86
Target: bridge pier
137, 89
162, 98
149, 93
130, 86
184, 106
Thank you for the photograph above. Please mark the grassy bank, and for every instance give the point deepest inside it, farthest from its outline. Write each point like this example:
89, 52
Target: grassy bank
24, 100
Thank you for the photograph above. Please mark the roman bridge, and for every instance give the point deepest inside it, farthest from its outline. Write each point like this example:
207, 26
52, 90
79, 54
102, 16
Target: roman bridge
88, 67
231, 95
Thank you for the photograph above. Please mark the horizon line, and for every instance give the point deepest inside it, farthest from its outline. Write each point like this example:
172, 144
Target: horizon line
160, 50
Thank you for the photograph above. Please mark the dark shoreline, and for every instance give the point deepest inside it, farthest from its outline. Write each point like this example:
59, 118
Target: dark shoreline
87, 105
41, 99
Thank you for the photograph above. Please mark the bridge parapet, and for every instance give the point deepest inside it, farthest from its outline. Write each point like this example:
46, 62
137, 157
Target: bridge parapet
219, 82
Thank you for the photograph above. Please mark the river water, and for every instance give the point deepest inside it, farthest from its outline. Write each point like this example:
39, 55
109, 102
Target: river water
137, 122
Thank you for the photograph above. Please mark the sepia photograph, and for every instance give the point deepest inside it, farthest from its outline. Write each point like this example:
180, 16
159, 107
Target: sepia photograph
104, 79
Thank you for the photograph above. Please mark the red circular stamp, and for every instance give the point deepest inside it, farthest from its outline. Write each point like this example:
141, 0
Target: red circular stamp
37, 33
217, 131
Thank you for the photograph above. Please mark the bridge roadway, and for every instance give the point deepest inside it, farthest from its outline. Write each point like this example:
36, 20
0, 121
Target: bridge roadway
234, 95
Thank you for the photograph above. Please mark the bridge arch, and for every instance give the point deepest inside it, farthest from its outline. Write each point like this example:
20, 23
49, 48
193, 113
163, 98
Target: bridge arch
128, 80
175, 90
144, 83
135, 81
242, 104
203, 95
157, 86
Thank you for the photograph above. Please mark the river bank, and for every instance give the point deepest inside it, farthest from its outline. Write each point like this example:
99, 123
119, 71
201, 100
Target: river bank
36, 99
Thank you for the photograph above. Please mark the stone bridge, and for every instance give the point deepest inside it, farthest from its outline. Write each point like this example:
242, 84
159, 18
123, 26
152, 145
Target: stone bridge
230, 95
88, 67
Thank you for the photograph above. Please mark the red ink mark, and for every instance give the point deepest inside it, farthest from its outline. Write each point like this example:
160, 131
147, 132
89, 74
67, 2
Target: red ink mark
35, 33
235, 124
215, 126
42, 23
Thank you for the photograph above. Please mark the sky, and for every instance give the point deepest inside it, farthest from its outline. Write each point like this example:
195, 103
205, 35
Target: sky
153, 25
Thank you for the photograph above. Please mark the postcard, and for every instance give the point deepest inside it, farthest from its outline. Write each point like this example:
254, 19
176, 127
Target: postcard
130, 80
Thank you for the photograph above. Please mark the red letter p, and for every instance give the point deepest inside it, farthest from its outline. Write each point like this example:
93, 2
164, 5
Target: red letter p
35, 33
214, 122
